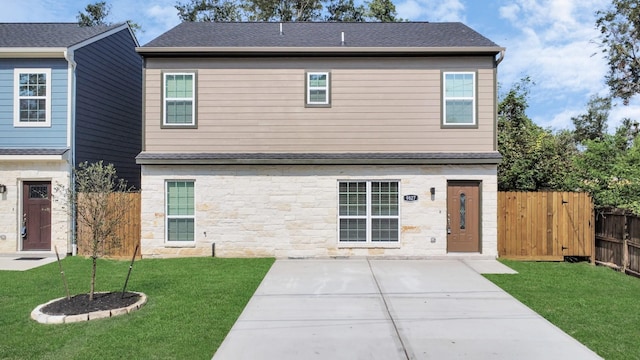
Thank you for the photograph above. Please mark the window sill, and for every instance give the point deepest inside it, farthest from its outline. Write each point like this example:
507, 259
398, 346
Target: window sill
369, 245
186, 244
33, 125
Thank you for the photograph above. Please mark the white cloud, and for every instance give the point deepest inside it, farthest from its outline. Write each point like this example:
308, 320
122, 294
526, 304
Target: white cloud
510, 12
431, 10
555, 42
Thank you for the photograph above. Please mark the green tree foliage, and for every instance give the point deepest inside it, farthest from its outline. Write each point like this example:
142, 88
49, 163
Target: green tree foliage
209, 10
95, 14
609, 172
593, 124
93, 204
286, 10
345, 10
620, 29
283, 10
533, 158
382, 11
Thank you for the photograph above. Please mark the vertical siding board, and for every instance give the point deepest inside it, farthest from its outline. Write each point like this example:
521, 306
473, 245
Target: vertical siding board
109, 104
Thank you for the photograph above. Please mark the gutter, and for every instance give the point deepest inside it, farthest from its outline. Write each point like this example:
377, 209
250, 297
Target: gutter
263, 50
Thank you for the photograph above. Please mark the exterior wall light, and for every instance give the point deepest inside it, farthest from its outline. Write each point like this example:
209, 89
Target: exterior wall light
433, 193
3, 189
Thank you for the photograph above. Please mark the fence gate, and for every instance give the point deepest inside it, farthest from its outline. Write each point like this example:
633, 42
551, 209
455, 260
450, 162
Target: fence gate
545, 225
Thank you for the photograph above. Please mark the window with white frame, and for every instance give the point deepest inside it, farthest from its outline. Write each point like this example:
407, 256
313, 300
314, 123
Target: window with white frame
459, 98
317, 88
368, 211
179, 99
32, 97
180, 211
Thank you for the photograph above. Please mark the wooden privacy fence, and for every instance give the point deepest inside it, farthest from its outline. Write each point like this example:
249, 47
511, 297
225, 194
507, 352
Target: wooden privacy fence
618, 240
128, 231
545, 225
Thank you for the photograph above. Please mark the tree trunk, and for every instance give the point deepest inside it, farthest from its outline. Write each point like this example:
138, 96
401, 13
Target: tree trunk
93, 279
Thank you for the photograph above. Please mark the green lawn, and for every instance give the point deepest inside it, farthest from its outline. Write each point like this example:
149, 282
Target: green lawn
192, 304
597, 306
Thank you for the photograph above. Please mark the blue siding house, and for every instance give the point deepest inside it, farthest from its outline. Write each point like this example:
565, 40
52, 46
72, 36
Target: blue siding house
68, 94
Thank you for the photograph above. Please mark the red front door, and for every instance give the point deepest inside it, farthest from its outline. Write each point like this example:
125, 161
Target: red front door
36, 215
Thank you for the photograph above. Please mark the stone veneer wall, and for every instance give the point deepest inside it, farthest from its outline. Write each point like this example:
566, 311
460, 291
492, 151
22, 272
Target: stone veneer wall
12, 174
291, 211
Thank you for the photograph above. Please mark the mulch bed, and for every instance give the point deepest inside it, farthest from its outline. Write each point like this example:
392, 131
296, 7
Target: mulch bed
80, 304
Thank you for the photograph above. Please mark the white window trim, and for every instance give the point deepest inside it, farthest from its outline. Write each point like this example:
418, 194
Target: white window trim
17, 97
369, 243
309, 88
167, 216
445, 98
165, 99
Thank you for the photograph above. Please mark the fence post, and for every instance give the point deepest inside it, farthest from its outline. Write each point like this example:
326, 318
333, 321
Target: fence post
625, 245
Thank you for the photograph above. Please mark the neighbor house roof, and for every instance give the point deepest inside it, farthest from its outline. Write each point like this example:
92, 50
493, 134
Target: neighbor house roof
31, 35
320, 36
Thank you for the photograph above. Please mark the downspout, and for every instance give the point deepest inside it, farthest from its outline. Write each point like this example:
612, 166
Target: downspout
71, 137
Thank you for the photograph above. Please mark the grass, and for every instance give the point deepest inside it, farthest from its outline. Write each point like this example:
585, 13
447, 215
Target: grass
597, 306
192, 304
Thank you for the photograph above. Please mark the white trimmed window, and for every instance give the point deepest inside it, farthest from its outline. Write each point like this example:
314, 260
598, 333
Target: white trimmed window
179, 99
368, 211
459, 98
180, 211
32, 97
317, 88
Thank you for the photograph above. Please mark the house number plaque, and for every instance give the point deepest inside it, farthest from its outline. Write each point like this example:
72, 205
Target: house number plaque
410, 197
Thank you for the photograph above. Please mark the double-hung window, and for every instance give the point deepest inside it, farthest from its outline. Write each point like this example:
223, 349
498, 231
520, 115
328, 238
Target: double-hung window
368, 211
180, 212
179, 99
32, 97
459, 98
318, 88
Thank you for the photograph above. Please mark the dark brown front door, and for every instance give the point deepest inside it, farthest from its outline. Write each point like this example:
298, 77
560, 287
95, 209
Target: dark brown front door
36, 215
463, 216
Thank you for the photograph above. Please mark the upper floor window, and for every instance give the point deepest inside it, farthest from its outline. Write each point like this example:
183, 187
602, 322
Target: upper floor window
317, 88
459, 98
179, 99
32, 97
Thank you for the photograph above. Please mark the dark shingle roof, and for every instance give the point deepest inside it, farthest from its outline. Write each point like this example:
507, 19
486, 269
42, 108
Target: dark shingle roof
321, 34
492, 157
29, 151
30, 35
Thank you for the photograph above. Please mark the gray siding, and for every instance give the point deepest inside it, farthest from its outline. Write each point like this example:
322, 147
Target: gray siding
109, 104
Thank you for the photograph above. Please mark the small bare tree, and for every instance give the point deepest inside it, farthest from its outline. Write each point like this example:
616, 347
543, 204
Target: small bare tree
98, 200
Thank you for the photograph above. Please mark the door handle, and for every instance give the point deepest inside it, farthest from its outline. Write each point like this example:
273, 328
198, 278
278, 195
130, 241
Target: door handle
448, 223
23, 231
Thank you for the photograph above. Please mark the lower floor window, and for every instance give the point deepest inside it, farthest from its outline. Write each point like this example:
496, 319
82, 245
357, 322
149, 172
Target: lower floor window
180, 218
368, 211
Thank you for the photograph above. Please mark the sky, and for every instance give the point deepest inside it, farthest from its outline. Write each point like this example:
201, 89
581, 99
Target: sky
554, 42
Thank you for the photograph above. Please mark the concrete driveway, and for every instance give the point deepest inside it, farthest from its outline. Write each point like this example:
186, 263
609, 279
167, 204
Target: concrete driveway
391, 309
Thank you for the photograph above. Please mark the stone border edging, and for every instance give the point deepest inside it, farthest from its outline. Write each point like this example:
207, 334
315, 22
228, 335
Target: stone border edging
43, 318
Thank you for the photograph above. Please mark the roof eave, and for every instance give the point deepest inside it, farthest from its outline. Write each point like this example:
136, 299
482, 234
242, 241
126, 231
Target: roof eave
33, 52
165, 51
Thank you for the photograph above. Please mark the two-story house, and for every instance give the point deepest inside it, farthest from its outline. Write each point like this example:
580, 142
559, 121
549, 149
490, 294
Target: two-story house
320, 140
68, 94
